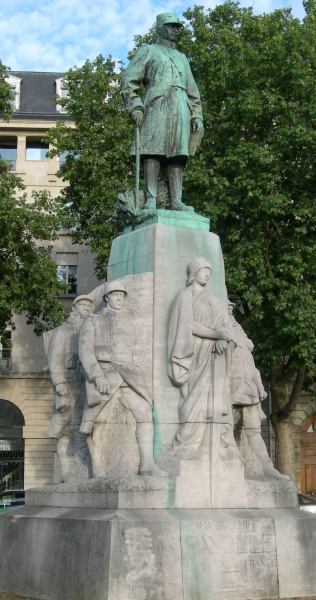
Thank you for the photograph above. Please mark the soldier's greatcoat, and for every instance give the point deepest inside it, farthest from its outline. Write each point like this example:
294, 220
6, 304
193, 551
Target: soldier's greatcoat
170, 101
106, 349
245, 381
63, 365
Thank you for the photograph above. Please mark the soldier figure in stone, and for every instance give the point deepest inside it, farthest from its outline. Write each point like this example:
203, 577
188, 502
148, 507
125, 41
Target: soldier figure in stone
106, 353
69, 391
169, 114
247, 393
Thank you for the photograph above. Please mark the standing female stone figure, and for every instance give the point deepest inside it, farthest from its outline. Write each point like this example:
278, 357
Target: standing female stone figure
200, 335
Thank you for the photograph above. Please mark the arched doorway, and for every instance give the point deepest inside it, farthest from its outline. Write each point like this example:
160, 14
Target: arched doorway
308, 456
11, 447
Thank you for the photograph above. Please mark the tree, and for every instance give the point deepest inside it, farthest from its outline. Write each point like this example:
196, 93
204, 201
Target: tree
256, 180
98, 163
27, 273
6, 95
255, 176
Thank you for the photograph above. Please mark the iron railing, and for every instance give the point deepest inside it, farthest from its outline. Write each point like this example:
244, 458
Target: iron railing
11, 464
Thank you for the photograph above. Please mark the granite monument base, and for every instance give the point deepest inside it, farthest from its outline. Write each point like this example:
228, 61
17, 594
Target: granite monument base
207, 554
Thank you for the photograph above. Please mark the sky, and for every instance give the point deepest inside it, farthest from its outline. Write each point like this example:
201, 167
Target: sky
54, 35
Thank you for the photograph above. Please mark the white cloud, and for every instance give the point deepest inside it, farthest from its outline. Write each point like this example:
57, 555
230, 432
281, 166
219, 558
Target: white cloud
57, 34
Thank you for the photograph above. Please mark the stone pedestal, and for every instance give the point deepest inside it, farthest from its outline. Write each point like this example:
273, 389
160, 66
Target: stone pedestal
163, 246
203, 531
94, 554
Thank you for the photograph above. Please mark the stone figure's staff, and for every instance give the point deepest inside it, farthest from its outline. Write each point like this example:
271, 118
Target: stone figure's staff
137, 155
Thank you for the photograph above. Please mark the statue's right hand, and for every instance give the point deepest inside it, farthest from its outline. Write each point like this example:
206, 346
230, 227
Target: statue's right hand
61, 389
137, 116
101, 385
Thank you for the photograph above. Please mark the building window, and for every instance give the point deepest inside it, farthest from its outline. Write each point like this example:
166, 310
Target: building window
36, 149
15, 85
61, 92
8, 148
67, 274
67, 271
5, 351
62, 157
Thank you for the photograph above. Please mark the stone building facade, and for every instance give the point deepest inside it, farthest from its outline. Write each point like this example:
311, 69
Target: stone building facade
25, 389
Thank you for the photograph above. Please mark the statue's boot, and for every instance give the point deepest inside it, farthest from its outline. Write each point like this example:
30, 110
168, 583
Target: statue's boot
259, 448
65, 453
175, 176
145, 440
151, 172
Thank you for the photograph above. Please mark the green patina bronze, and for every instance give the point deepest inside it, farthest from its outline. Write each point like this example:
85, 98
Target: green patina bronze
168, 116
188, 220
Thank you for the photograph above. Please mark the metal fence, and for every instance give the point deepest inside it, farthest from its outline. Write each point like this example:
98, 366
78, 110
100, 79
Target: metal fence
11, 464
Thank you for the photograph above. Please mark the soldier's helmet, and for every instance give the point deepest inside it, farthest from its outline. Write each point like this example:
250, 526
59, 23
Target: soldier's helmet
166, 19
114, 286
83, 297
194, 266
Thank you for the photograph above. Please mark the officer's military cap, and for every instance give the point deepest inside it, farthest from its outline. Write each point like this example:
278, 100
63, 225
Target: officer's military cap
166, 18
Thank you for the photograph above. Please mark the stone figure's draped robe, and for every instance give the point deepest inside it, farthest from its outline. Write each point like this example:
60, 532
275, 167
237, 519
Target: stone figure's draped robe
193, 366
170, 101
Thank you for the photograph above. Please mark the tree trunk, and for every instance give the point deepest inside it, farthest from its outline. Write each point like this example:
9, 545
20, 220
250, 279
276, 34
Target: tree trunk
285, 452
283, 403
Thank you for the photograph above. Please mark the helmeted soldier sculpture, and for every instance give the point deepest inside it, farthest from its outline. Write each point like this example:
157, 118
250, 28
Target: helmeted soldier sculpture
69, 391
247, 393
169, 115
106, 355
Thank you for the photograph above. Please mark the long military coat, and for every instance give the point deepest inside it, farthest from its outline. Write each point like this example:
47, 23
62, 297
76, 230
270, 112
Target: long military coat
170, 101
106, 349
63, 364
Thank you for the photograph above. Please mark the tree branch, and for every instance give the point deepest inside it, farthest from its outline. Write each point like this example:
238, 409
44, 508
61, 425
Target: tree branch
296, 390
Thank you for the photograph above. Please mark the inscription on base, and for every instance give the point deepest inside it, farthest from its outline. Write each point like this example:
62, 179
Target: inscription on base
235, 556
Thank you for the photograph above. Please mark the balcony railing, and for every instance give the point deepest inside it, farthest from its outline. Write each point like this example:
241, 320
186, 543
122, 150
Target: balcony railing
5, 359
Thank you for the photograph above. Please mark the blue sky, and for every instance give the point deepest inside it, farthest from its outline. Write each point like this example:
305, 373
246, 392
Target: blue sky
54, 35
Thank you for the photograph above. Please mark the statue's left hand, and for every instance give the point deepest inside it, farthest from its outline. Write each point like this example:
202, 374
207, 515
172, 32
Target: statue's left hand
196, 124
220, 346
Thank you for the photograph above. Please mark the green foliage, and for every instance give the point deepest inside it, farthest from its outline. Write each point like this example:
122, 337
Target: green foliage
98, 165
255, 175
27, 273
6, 94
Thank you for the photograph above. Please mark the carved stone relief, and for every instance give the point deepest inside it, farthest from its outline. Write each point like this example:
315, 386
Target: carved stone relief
61, 345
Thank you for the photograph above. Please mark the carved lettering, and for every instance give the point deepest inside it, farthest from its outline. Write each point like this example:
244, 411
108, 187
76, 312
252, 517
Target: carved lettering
260, 563
268, 542
255, 544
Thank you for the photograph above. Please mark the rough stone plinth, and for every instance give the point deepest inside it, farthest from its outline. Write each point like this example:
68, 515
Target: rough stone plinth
105, 492
206, 554
183, 490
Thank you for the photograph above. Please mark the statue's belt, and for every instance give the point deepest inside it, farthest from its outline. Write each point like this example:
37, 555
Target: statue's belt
163, 86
